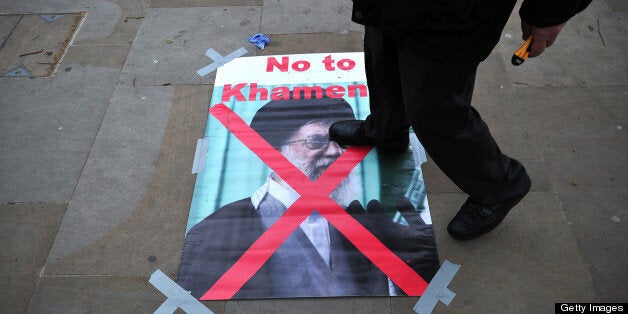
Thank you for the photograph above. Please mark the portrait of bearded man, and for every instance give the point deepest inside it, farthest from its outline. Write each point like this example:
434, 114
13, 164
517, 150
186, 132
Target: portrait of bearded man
316, 260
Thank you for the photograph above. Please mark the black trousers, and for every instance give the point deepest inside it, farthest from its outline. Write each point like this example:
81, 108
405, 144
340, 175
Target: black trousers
435, 99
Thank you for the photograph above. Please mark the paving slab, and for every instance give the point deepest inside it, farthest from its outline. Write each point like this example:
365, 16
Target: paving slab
106, 56
106, 22
617, 5
101, 294
582, 112
313, 305
152, 235
60, 6
585, 146
172, 43
109, 294
599, 223
203, 3
7, 25
525, 265
539, 174
302, 16
119, 168
576, 57
623, 18
26, 235
45, 135
110, 23
37, 44
436, 182
17, 7
130, 7
313, 43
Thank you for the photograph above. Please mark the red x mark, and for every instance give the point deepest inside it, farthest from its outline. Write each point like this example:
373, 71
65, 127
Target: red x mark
313, 195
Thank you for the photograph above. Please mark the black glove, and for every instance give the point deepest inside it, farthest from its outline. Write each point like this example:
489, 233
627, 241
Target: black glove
414, 243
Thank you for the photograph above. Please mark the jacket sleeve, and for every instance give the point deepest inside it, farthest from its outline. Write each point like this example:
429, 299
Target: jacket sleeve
544, 13
365, 12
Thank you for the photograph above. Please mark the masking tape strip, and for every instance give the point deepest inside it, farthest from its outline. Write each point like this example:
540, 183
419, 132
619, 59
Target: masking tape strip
177, 297
200, 155
219, 60
418, 152
437, 289
17, 72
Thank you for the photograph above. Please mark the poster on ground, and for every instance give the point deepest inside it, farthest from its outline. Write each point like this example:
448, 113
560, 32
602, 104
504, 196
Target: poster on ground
280, 211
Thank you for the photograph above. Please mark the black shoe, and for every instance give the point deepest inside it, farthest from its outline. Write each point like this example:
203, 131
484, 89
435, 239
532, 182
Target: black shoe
474, 220
351, 132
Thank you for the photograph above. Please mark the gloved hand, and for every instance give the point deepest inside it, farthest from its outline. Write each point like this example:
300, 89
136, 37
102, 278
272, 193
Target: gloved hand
413, 243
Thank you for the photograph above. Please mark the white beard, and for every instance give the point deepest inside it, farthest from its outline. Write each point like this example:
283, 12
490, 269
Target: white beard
347, 191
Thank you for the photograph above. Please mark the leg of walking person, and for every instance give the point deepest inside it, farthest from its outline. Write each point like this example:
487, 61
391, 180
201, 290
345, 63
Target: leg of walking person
437, 100
387, 120
387, 125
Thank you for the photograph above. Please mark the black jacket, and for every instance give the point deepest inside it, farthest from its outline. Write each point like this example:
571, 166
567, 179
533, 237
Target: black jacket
550, 13
457, 31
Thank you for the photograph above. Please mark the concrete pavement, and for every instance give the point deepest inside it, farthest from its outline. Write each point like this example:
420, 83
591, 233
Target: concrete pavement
95, 158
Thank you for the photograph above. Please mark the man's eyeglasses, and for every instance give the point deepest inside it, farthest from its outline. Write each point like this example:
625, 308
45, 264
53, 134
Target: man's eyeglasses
315, 141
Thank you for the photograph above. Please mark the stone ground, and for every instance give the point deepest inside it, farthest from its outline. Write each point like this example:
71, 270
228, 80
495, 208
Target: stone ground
98, 128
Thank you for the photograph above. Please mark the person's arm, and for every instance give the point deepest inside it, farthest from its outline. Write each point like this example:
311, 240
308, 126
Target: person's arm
544, 20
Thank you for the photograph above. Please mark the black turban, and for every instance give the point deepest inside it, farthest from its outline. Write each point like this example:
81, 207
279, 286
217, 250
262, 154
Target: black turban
277, 120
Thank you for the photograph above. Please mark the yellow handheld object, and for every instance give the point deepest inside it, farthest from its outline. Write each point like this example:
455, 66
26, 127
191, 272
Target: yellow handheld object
523, 52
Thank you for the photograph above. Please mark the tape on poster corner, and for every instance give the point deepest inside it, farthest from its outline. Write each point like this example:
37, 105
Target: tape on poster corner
437, 289
17, 72
418, 152
177, 297
200, 155
219, 60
